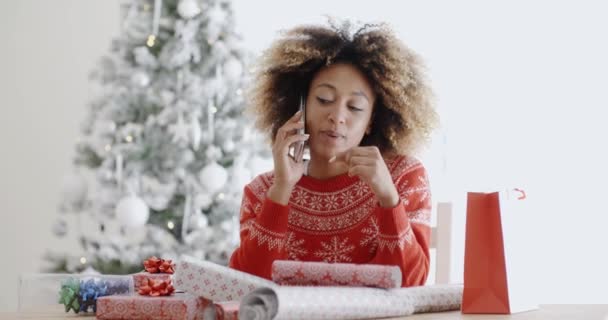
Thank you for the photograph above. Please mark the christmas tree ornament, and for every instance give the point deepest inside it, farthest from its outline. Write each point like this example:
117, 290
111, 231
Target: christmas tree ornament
188, 9
119, 165
179, 130
195, 132
155, 23
132, 211
213, 177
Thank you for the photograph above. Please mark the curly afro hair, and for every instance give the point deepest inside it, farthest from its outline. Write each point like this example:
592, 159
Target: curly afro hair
404, 114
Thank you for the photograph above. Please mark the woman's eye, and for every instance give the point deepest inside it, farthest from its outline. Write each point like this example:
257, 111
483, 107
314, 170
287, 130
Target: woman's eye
355, 108
323, 101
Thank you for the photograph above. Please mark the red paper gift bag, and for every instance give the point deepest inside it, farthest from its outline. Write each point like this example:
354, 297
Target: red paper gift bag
497, 262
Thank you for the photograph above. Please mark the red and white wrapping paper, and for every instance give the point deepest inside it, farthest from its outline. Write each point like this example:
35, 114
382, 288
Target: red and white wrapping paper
215, 282
180, 306
301, 273
141, 278
226, 310
316, 303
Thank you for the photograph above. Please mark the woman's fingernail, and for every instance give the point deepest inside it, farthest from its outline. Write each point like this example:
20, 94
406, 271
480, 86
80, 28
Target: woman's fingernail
332, 159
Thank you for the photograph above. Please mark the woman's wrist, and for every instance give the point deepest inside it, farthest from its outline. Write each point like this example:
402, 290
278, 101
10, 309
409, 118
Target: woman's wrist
279, 194
390, 200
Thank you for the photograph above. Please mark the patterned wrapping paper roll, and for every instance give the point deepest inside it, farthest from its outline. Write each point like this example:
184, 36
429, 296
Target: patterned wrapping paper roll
226, 310
335, 274
215, 282
180, 306
316, 303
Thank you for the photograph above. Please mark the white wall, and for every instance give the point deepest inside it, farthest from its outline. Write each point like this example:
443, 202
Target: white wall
520, 86
46, 52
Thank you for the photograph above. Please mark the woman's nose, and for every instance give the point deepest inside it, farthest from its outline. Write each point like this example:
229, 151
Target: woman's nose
337, 115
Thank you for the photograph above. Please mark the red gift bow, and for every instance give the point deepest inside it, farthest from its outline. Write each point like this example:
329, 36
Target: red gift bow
156, 288
156, 265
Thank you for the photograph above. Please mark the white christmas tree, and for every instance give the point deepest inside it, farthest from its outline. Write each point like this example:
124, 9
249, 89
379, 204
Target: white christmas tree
166, 149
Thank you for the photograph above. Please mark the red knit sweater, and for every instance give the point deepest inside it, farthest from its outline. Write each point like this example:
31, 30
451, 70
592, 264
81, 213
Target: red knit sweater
338, 220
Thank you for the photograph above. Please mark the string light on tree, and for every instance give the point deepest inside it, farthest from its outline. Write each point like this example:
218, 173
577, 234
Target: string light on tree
108, 148
83, 260
129, 138
170, 225
151, 41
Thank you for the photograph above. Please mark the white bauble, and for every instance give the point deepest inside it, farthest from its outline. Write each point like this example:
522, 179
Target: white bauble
188, 9
228, 145
132, 211
233, 69
74, 188
202, 201
140, 78
213, 177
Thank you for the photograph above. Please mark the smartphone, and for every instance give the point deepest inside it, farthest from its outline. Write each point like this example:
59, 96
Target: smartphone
300, 151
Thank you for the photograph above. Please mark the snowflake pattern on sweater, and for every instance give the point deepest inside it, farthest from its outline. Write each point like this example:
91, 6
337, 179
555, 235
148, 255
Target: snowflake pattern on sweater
338, 220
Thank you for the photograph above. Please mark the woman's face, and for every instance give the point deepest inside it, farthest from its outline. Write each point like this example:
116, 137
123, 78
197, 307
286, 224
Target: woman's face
338, 110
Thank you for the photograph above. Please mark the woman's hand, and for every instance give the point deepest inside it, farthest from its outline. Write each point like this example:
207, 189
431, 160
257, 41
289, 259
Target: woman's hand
367, 163
287, 172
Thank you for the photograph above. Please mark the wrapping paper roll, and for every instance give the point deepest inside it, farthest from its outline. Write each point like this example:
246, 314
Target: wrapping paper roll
335, 274
315, 303
227, 310
215, 282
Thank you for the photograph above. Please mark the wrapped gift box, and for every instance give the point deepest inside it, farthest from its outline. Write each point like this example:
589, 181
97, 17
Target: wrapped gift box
179, 306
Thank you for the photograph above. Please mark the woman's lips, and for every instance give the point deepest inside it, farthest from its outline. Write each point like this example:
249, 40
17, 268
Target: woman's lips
331, 136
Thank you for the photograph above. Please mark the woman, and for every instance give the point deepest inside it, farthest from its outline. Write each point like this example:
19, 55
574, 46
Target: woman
361, 198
